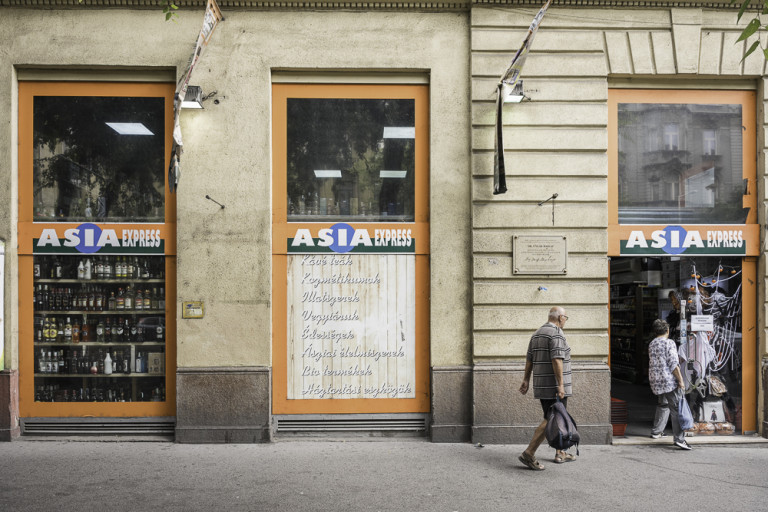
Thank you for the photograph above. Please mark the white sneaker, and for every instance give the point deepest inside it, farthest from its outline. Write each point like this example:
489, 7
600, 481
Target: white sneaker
683, 445
658, 436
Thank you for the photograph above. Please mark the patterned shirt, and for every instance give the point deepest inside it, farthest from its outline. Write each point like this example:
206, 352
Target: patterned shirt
662, 355
546, 344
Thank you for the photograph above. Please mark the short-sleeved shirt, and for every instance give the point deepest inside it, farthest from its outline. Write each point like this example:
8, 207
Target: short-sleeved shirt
662, 361
546, 344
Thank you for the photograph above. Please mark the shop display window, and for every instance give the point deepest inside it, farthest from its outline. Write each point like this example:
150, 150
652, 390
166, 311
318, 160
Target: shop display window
99, 328
680, 163
98, 159
350, 159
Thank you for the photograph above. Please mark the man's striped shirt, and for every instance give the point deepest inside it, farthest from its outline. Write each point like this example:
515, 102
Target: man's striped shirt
546, 344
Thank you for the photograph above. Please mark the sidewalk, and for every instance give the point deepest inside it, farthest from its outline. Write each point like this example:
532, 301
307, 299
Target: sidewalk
387, 475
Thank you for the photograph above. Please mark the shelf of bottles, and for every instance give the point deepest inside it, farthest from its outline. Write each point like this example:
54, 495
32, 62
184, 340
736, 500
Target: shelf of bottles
99, 333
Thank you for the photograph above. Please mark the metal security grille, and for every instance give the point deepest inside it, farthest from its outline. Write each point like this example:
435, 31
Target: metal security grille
392, 424
98, 426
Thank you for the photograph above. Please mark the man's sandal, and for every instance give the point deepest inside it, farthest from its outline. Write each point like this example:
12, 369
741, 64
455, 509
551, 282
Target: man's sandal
531, 462
565, 457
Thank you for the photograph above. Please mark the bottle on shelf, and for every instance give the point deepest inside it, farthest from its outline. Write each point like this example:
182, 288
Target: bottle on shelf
128, 299
41, 367
61, 363
120, 301
81, 270
117, 331
107, 364
68, 331
88, 269
76, 331
154, 303
112, 302
48, 363
100, 331
60, 332
139, 363
161, 299
74, 365
139, 299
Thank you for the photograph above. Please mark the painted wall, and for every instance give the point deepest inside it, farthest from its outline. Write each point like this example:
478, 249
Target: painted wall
224, 254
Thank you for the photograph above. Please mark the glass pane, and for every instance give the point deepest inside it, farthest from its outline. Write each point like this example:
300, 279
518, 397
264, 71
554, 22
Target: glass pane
99, 328
680, 164
99, 159
351, 159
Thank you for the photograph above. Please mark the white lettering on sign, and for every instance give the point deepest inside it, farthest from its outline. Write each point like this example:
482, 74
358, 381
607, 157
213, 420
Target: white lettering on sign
351, 324
86, 237
670, 240
328, 237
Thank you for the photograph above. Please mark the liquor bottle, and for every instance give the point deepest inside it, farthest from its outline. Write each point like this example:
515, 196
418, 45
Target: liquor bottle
41, 362
132, 330
99, 300
74, 366
88, 274
161, 300
127, 331
117, 331
100, 362
108, 331
139, 334
85, 332
91, 299
130, 269
145, 271
45, 299
139, 299
99, 269
147, 299
139, 359
68, 331
128, 298
81, 270
126, 363
62, 362
60, 332
112, 302
57, 269
154, 303
37, 269
46, 329
100, 331
120, 302
107, 364
38, 298
160, 332
66, 299
76, 334
107, 268
48, 363
116, 363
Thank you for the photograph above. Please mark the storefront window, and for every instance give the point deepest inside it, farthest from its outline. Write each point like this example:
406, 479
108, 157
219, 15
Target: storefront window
99, 333
350, 159
98, 159
697, 166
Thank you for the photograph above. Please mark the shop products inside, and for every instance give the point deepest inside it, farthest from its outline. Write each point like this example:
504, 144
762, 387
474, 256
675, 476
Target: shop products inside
701, 300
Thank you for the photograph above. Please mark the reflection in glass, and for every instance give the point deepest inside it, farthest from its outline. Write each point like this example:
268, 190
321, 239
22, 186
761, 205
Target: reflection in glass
680, 163
99, 159
351, 158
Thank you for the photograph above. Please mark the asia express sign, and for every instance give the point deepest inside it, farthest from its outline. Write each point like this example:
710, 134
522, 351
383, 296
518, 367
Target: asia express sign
89, 238
677, 240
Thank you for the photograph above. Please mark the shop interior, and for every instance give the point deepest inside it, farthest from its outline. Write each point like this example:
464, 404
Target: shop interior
700, 298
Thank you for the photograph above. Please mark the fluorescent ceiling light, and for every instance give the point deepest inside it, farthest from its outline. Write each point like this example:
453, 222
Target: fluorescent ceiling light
326, 173
130, 128
392, 174
399, 132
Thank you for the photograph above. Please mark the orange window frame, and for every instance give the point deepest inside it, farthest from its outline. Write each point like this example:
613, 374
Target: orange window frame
29, 230
282, 230
618, 232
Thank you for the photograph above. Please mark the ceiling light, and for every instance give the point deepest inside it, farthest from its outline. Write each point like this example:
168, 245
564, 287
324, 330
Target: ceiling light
399, 132
130, 128
326, 173
392, 174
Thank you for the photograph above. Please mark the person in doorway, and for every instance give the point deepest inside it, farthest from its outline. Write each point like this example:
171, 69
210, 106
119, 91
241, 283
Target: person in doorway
673, 317
665, 378
549, 361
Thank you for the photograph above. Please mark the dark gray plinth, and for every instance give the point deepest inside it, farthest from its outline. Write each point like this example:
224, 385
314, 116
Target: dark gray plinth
503, 416
9, 405
223, 405
451, 404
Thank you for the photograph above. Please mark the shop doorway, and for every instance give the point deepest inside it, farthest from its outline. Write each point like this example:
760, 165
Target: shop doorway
702, 299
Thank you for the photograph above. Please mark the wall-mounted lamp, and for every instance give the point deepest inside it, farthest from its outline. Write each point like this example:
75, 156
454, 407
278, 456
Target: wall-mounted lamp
516, 95
193, 98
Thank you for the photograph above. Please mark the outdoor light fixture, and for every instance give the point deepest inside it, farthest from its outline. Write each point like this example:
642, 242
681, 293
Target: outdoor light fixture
399, 132
325, 173
193, 98
516, 95
392, 174
130, 128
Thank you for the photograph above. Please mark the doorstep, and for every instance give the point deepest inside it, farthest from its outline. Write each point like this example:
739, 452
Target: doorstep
693, 440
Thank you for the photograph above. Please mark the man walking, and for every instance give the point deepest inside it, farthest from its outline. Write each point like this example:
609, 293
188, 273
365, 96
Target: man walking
549, 360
